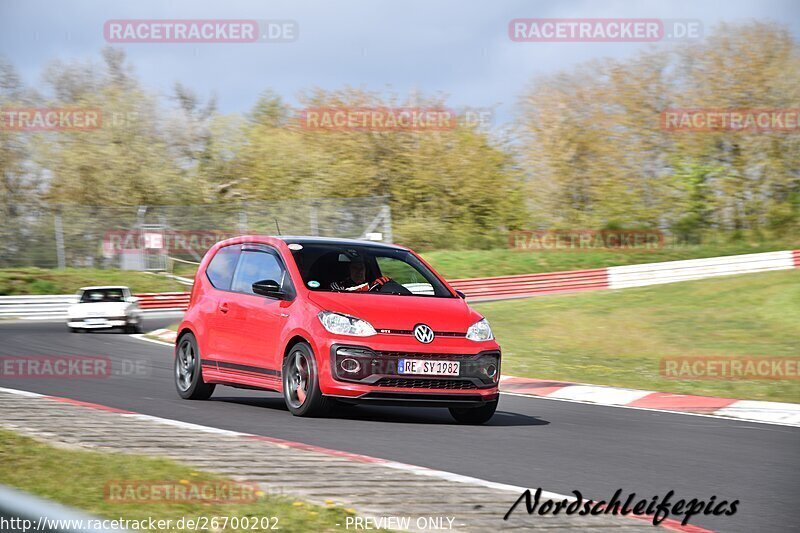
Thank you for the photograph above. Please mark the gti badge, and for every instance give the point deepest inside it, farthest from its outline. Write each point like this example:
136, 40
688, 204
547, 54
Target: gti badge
423, 333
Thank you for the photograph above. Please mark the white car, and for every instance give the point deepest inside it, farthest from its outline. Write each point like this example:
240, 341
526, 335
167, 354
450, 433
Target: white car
105, 307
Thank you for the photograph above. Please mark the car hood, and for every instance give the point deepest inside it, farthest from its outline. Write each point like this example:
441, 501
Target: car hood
98, 309
386, 311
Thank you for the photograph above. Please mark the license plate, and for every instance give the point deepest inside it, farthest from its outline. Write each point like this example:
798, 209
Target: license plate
428, 368
95, 320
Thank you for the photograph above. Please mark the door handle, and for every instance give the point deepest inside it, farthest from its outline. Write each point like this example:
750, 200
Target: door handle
223, 307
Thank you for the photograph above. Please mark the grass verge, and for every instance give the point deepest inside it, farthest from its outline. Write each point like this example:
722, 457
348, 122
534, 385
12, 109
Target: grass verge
78, 478
32, 280
618, 338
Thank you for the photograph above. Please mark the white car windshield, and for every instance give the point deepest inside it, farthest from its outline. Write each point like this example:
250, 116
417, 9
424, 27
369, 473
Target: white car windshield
102, 295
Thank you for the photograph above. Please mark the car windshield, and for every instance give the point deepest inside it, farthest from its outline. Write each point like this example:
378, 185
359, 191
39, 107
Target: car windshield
102, 295
367, 269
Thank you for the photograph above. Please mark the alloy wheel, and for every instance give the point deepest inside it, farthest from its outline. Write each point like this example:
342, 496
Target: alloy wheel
297, 379
186, 366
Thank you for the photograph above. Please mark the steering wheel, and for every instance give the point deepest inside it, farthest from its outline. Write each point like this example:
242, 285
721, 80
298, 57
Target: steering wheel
392, 287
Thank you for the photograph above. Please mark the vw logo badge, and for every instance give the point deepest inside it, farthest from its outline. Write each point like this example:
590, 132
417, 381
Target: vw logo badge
423, 333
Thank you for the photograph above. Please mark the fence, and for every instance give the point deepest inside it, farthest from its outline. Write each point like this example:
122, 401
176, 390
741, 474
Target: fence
98, 236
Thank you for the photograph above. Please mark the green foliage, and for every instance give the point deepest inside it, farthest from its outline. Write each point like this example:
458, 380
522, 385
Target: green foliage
595, 150
445, 188
589, 151
693, 180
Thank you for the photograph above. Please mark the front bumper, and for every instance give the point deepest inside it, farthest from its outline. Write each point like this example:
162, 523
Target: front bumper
379, 381
420, 399
100, 322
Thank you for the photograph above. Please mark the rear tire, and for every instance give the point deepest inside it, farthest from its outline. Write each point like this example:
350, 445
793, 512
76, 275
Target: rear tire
301, 390
189, 372
474, 415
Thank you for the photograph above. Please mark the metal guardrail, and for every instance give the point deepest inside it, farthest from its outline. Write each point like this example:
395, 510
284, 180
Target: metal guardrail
24, 513
484, 289
163, 300
55, 305
524, 285
622, 277
49, 306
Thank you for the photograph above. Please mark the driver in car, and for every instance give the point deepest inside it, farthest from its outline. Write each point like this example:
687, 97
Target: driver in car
357, 281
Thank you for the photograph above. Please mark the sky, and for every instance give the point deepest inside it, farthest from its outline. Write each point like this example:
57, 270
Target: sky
458, 48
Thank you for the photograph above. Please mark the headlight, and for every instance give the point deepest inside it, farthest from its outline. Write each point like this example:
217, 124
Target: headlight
480, 331
345, 325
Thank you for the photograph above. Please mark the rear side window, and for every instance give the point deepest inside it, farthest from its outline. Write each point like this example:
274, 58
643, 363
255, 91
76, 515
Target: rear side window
257, 266
220, 269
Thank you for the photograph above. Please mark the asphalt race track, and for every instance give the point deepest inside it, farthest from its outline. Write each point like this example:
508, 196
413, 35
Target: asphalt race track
559, 446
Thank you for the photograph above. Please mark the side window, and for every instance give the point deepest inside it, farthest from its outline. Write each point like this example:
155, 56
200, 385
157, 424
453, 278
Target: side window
257, 266
220, 269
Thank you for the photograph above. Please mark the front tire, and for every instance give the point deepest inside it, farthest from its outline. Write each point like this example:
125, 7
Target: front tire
189, 372
474, 415
301, 390
133, 327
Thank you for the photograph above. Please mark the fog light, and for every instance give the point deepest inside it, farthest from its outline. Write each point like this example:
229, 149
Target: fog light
491, 370
350, 365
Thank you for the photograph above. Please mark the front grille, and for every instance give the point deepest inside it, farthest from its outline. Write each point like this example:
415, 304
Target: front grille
411, 332
421, 355
425, 383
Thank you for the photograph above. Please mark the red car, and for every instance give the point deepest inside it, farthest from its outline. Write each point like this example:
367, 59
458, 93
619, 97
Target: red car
332, 321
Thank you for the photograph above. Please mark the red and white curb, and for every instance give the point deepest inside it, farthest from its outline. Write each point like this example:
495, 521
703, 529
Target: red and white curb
787, 414
165, 335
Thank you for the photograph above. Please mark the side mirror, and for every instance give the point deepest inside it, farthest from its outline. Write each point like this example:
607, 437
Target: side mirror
268, 287
461, 295
132, 299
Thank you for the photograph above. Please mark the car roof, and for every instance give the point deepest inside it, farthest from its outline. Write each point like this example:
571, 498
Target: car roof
299, 239
99, 287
